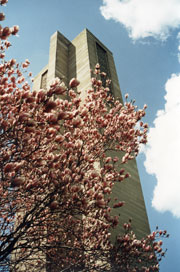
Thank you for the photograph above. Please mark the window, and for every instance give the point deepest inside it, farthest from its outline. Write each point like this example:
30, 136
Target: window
44, 80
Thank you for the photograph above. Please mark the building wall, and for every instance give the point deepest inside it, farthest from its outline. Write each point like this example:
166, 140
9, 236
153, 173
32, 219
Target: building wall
75, 59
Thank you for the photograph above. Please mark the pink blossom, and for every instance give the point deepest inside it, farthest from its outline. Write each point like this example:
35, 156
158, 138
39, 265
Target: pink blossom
50, 105
54, 205
5, 33
119, 204
126, 96
18, 181
41, 95
14, 30
101, 203
3, 2
73, 83
2, 16
59, 89
77, 121
97, 66
9, 167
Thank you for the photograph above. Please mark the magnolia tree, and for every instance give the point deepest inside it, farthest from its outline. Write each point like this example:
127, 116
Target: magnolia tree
56, 178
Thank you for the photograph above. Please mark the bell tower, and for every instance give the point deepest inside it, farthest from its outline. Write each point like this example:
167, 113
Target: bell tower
68, 59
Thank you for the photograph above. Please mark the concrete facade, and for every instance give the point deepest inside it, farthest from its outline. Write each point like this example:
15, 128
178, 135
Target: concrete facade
76, 59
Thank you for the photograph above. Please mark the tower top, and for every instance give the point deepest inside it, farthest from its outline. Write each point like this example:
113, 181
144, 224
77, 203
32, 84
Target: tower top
76, 58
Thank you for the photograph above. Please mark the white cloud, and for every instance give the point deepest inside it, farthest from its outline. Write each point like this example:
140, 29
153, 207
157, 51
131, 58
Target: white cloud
163, 151
144, 18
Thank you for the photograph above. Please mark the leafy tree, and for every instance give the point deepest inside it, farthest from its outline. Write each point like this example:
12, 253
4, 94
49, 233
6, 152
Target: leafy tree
56, 178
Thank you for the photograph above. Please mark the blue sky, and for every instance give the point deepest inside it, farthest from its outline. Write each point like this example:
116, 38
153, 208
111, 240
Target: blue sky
144, 38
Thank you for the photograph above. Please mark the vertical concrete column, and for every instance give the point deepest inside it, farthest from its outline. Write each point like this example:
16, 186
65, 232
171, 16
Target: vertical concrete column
58, 58
82, 62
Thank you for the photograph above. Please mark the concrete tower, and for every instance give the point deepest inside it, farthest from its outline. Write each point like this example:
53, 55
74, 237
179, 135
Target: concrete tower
75, 59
